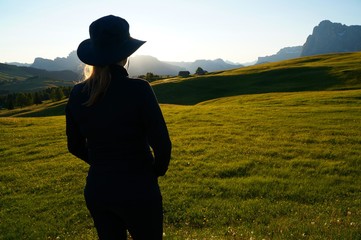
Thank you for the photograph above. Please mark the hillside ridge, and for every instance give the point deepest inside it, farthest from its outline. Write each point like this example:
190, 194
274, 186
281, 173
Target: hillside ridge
316, 73
340, 71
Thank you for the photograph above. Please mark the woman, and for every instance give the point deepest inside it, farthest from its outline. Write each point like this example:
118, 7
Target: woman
113, 122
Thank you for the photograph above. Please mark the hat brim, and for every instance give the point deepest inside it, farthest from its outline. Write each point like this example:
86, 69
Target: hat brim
90, 55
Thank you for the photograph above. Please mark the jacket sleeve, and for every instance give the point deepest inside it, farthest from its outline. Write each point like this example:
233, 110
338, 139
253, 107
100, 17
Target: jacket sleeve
77, 144
157, 132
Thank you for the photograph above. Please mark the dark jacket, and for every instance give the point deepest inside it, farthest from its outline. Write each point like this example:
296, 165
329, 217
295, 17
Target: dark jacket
120, 128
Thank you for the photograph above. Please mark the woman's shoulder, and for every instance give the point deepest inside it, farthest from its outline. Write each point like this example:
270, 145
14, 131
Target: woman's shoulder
78, 87
139, 82
78, 91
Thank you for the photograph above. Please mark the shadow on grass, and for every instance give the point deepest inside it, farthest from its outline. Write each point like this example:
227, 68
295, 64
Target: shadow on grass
201, 89
42, 110
55, 110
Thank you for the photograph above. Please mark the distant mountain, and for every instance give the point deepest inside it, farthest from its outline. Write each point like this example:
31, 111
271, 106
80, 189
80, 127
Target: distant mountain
283, 54
330, 37
207, 65
248, 63
140, 65
327, 37
19, 64
232, 63
71, 62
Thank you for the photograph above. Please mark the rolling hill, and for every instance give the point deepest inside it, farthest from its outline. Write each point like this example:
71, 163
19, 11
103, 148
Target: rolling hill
263, 154
323, 72
25, 79
258, 166
315, 73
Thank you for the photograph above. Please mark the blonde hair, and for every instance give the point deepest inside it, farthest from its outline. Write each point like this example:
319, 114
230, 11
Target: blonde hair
96, 83
97, 80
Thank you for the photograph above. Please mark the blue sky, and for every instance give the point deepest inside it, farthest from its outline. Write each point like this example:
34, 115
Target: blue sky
175, 30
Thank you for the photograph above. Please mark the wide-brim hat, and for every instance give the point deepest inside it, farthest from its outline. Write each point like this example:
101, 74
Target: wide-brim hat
109, 42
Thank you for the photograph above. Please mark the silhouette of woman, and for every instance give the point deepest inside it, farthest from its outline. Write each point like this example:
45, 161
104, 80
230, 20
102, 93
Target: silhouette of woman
115, 124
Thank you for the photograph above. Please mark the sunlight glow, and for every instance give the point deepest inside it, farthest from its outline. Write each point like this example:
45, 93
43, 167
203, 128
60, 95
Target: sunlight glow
184, 30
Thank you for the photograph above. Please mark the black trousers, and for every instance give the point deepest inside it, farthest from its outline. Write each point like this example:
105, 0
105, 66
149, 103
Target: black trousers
119, 202
143, 220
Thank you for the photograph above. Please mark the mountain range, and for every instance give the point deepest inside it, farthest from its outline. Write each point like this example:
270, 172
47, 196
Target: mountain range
208, 65
283, 54
71, 62
327, 37
138, 65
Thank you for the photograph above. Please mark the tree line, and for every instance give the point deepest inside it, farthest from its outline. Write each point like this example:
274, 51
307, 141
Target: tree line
151, 77
23, 99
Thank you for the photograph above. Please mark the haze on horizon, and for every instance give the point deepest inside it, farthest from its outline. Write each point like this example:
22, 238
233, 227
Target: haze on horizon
177, 30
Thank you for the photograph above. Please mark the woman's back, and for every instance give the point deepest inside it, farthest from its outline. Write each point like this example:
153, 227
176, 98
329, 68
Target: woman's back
115, 124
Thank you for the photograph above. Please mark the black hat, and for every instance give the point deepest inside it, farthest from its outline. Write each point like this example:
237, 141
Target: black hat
110, 42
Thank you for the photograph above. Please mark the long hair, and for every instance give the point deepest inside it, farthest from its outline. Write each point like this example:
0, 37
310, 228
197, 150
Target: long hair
97, 83
97, 80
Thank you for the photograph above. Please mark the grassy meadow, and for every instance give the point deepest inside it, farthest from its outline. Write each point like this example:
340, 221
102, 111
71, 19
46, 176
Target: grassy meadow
316, 73
265, 166
271, 151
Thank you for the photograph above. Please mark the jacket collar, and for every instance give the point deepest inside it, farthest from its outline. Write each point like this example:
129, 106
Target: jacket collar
118, 71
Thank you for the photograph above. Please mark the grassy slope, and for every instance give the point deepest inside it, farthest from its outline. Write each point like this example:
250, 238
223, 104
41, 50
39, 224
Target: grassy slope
272, 166
325, 72
45, 109
33, 84
267, 166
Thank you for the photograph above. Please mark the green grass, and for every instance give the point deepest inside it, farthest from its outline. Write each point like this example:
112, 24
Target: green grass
316, 73
260, 166
34, 84
48, 108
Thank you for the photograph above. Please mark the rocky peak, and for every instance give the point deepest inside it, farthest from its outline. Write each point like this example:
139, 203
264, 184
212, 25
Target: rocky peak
329, 37
71, 62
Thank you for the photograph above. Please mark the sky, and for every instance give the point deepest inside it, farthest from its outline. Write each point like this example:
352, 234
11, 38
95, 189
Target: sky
175, 30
